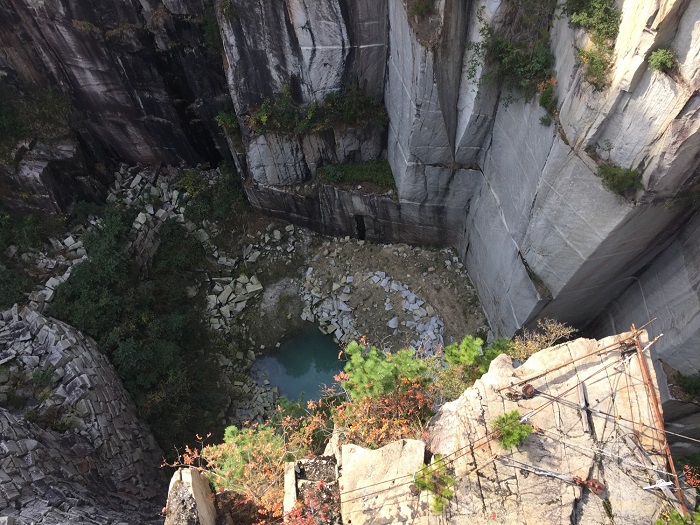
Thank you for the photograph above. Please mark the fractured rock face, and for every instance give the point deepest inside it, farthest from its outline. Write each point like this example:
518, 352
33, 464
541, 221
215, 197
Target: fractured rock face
389, 499
73, 449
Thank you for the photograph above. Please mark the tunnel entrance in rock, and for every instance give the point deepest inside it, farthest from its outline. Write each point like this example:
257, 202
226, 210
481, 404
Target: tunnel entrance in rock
360, 227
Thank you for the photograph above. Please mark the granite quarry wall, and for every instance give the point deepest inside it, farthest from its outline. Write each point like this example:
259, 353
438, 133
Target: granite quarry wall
539, 233
536, 229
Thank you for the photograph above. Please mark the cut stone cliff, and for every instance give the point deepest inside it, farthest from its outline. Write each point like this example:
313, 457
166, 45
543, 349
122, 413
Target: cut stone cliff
540, 234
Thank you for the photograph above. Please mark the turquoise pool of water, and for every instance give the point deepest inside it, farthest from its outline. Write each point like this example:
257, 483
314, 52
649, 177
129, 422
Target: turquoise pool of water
303, 363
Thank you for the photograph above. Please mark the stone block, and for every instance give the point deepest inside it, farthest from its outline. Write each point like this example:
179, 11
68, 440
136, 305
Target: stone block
253, 288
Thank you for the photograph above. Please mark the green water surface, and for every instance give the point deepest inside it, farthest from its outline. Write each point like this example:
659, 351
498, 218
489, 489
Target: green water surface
302, 364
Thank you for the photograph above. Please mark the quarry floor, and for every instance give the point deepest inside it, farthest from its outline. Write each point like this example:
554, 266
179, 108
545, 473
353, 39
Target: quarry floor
435, 276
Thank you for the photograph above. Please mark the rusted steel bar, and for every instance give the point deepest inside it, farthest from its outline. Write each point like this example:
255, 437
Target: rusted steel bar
554, 399
583, 403
659, 417
643, 458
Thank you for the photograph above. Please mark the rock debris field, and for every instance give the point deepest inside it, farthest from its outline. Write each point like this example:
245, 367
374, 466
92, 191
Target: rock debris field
264, 285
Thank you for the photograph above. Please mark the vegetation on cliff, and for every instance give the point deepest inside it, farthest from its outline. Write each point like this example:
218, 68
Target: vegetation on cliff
662, 60
509, 430
420, 8
375, 173
518, 51
437, 480
20, 234
601, 18
619, 180
30, 112
286, 116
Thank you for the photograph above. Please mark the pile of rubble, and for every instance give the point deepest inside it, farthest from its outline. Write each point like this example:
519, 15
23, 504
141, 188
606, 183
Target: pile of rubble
331, 310
332, 307
230, 296
415, 313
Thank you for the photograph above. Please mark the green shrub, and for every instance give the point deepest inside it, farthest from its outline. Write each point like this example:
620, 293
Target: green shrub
662, 60
521, 57
227, 120
509, 431
373, 373
285, 116
674, 517
547, 333
522, 66
214, 203
229, 123
82, 210
546, 120
548, 100
465, 353
12, 286
28, 232
689, 384
149, 328
193, 183
436, 480
597, 66
260, 445
212, 36
421, 8
90, 299
619, 180
450, 381
30, 111
601, 18
333, 173
470, 353
464, 363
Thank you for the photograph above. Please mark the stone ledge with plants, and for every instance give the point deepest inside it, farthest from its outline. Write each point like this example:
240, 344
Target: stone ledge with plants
374, 176
288, 117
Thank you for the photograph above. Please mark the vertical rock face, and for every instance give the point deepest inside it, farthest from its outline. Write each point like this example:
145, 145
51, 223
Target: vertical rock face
666, 289
543, 216
142, 86
539, 232
314, 48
